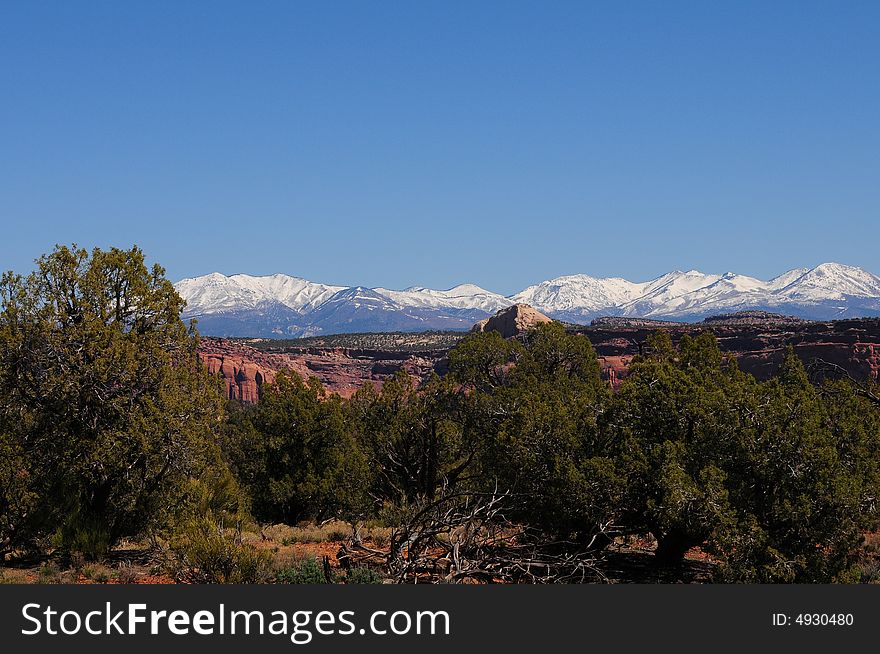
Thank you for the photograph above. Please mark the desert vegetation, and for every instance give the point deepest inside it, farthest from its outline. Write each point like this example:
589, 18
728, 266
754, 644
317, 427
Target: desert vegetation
119, 460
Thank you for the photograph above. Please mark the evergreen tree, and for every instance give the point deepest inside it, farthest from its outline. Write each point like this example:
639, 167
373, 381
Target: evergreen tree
303, 463
103, 395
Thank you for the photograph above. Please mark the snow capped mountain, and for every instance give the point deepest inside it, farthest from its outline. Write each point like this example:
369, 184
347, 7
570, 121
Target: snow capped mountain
787, 278
215, 293
827, 291
578, 295
280, 305
832, 281
668, 293
463, 296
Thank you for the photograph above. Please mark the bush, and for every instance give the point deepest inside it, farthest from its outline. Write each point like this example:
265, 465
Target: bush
310, 533
87, 537
337, 535
380, 536
307, 571
125, 574
363, 575
97, 573
49, 574
208, 553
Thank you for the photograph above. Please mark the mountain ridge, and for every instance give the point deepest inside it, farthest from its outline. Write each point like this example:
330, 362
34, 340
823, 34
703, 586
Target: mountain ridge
281, 305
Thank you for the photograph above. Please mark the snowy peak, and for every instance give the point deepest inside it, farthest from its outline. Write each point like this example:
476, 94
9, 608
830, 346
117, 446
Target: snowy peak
675, 284
833, 281
216, 292
578, 294
361, 296
463, 296
284, 305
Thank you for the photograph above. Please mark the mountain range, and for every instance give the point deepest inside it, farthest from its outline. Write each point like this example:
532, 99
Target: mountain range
281, 306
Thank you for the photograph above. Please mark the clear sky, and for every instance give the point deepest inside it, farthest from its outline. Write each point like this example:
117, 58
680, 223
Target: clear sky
432, 143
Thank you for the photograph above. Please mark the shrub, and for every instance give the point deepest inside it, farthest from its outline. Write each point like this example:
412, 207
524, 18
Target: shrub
363, 575
88, 537
380, 536
278, 533
105, 400
310, 533
208, 553
307, 571
337, 534
97, 573
126, 574
49, 574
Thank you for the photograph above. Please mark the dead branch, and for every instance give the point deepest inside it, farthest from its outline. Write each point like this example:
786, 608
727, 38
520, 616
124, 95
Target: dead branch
819, 370
465, 537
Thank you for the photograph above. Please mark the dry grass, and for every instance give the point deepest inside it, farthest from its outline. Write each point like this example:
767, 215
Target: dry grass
14, 576
333, 531
98, 573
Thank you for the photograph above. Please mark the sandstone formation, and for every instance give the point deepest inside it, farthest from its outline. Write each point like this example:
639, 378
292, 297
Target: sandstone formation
244, 369
512, 321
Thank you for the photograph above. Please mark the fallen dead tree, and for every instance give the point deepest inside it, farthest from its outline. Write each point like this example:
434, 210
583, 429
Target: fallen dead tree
466, 538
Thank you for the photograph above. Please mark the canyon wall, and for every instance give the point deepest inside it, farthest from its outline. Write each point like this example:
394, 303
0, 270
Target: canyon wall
244, 369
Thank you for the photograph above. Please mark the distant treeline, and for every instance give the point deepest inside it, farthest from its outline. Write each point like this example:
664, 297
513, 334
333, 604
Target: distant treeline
385, 341
111, 429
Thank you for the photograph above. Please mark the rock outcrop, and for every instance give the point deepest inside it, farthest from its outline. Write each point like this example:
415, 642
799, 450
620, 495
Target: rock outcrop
244, 370
512, 321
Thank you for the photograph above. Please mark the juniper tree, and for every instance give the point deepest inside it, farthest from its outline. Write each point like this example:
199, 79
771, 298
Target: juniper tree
103, 394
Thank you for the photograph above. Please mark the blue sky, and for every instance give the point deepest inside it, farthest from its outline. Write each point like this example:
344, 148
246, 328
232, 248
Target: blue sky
431, 143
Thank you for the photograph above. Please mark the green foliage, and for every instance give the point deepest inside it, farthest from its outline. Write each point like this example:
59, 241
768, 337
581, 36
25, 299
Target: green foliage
207, 552
533, 410
49, 574
805, 483
412, 437
674, 416
296, 456
363, 575
103, 395
307, 571
84, 533
97, 573
111, 428
482, 360
778, 479
17, 497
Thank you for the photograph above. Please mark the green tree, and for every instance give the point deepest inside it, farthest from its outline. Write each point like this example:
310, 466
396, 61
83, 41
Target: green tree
304, 462
672, 418
805, 483
534, 407
412, 436
103, 394
483, 360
